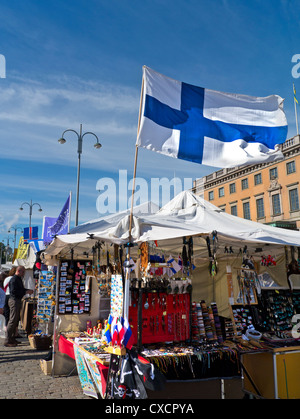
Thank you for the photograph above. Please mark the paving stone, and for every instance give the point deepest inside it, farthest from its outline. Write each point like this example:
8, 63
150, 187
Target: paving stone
21, 376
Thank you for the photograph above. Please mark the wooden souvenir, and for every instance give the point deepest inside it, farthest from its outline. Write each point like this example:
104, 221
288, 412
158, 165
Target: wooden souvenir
144, 255
247, 290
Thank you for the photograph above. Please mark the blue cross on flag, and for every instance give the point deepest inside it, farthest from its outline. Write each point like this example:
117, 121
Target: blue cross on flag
209, 127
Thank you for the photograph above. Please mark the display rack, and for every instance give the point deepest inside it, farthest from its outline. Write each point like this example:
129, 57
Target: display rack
165, 317
74, 288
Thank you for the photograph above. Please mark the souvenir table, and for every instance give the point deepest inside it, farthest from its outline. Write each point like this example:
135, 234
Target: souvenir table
90, 361
175, 362
66, 345
194, 362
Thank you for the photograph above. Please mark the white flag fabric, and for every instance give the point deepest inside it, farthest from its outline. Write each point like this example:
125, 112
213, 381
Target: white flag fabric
209, 127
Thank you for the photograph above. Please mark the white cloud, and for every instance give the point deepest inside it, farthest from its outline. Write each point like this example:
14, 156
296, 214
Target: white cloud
60, 101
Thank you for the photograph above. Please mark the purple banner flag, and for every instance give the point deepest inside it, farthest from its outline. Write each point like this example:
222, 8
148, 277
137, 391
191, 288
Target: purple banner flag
60, 225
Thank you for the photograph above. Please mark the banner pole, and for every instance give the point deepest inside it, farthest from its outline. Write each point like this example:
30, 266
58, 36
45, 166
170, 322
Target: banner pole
127, 263
135, 160
70, 207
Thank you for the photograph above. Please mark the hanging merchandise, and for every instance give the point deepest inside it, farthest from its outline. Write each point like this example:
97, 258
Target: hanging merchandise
207, 322
217, 322
165, 311
279, 306
212, 253
116, 296
212, 323
242, 317
200, 322
248, 285
144, 256
268, 261
130, 376
46, 298
184, 257
195, 332
88, 386
73, 297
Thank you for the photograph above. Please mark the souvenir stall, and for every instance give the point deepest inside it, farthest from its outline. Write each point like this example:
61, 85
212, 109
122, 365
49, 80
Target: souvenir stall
185, 297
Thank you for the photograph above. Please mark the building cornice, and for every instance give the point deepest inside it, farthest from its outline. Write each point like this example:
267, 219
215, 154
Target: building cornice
289, 148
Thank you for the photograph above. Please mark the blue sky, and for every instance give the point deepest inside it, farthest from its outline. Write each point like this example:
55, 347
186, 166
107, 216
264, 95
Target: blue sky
73, 62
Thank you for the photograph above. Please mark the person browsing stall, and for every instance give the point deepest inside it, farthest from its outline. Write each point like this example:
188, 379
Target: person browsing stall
2, 294
6, 289
17, 292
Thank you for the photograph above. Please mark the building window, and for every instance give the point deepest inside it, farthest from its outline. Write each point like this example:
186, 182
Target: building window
276, 204
211, 195
232, 188
294, 199
245, 183
260, 208
291, 167
221, 192
233, 210
246, 210
273, 173
257, 179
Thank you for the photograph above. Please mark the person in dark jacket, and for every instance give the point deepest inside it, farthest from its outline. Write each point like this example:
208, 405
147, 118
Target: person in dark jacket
17, 292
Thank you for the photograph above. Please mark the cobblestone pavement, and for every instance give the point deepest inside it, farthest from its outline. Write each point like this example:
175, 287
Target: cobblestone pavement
21, 376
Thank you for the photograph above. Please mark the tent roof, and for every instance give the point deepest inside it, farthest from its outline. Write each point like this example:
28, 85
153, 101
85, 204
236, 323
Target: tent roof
103, 223
185, 215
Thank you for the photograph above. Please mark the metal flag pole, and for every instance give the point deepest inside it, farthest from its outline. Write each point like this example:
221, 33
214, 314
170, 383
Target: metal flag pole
296, 102
127, 262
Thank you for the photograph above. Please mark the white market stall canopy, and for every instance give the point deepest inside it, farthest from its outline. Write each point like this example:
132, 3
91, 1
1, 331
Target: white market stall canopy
185, 215
100, 224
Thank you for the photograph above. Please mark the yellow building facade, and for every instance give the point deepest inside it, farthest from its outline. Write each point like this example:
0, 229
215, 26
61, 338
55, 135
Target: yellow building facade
266, 193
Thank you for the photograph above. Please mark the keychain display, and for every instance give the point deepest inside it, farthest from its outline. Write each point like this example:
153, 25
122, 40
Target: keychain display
165, 317
278, 308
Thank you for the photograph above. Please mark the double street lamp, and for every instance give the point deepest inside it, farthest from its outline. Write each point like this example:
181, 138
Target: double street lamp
31, 205
15, 234
79, 152
8, 249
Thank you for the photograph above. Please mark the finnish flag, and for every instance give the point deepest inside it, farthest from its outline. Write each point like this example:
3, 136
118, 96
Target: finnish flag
209, 127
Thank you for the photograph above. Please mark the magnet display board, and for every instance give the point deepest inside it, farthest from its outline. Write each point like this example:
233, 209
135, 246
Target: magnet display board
74, 294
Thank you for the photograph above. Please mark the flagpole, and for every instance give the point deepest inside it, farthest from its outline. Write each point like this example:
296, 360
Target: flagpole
127, 263
133, 188
295, 101
135, 160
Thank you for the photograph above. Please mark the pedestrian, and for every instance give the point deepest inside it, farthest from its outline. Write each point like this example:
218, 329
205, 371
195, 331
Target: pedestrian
2, 293
17, 292
6, 289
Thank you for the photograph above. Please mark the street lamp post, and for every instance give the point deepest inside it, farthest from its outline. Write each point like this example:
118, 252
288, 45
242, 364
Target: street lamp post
80, 136
15, 233
8, 250
31, 205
